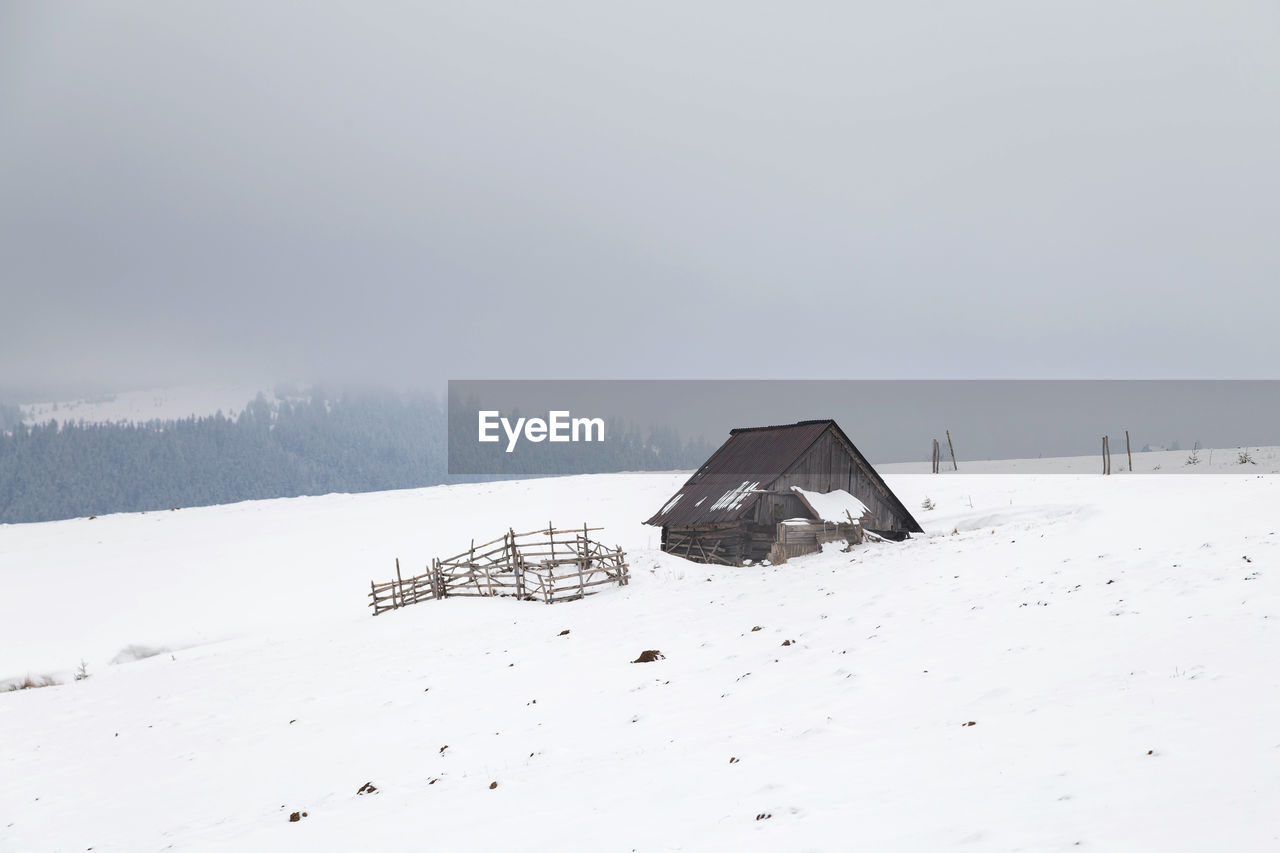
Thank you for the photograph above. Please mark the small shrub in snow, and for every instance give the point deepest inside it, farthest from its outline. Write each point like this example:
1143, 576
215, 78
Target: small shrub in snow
1245, 459
1193, 458
30, 683
928, 504
83, 672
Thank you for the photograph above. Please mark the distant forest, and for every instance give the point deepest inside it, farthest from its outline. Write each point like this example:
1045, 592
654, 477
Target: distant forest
358, 442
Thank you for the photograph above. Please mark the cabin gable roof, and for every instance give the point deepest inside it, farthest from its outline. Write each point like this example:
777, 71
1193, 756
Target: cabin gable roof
728, 485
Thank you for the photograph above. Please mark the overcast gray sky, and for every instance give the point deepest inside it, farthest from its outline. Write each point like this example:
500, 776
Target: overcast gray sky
407, 192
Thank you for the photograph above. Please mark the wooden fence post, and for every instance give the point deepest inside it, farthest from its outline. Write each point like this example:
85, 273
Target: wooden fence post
1128, 448
582, 563
954, 466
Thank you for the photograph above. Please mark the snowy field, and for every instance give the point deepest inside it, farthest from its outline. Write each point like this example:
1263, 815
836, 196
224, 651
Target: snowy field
1061, 662
1231, 460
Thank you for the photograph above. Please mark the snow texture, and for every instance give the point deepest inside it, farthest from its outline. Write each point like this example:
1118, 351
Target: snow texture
1059, 663
837, 506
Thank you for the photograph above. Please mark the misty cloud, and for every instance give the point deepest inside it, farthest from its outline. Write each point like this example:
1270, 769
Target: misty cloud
411, 192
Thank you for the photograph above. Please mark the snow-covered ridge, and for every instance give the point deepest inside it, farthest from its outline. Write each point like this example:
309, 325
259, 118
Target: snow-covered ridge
141, 406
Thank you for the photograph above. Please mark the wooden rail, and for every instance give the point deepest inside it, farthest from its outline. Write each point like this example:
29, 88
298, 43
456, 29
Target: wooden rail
547, 565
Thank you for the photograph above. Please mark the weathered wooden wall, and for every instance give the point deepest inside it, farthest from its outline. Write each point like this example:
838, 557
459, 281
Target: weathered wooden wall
725, 544
828, 465
796, 539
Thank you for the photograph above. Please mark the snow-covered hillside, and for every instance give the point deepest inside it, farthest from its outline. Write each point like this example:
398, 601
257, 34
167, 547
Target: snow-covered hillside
1060, 662
140, 406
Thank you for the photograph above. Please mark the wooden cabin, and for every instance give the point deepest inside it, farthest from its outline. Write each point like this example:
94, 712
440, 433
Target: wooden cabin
734, 507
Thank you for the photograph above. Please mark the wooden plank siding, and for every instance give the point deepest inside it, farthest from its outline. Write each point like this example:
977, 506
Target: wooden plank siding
826, 466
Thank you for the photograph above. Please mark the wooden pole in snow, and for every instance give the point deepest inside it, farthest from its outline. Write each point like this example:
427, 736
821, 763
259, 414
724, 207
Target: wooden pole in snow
1128, 449
954, 466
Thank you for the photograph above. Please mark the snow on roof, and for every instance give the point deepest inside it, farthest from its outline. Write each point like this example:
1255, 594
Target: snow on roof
671, 503
733, 498
833, 506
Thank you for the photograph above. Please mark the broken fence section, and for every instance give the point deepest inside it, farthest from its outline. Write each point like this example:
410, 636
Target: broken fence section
542, 565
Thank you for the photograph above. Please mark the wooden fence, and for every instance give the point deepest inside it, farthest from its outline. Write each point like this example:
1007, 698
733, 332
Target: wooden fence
542, 565
402, 591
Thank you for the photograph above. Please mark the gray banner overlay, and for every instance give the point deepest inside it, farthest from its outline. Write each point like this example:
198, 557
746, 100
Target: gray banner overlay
553, 427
